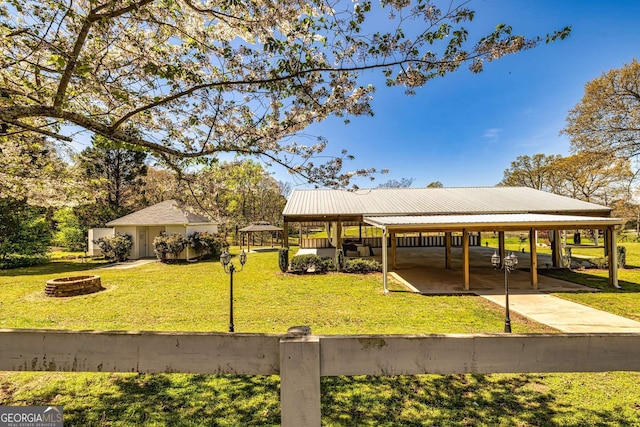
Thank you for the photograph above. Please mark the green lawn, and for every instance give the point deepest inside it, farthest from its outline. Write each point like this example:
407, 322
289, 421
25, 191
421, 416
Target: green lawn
194, 297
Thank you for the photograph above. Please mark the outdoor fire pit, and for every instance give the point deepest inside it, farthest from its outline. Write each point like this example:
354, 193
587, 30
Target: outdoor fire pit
72, 286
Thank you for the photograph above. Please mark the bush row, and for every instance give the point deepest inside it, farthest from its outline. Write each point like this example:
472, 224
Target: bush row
17, 261
309, 263
202, 242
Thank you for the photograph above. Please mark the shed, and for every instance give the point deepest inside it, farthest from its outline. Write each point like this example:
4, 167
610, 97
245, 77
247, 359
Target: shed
165, 217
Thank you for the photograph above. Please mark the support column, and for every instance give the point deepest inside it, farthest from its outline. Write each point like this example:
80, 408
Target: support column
556, 249
465, 258
285, 236
533, 247
447, 250
385, 267
393, 250
338, 235
612, 244
300, 381
299, 235
501, 249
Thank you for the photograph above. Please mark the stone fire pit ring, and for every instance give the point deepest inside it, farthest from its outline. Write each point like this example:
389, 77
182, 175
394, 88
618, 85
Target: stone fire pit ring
72, 286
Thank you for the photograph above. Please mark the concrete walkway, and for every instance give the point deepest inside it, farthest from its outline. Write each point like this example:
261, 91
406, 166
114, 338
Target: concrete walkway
128, 264
563, 315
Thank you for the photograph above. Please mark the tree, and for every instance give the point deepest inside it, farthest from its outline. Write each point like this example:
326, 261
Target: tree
535, 171
394, 183
435, 184
70, 234
116, 176
24, 233
240, 193
32, 169
198, 78
607, 118
594, 177
589, 176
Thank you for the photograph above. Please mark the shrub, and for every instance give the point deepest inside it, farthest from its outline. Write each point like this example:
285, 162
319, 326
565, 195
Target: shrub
17, 261
207, 244
305, 263
116, 247
283, 259
362, 266
169, 244
70, 234
328, 264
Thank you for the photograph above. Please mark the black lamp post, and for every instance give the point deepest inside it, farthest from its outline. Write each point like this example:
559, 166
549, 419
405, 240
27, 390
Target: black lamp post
509, 263
225, 259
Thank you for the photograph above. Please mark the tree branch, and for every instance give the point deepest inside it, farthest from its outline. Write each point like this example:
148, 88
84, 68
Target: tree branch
34, 129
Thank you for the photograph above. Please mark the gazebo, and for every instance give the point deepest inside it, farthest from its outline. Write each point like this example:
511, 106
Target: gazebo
259, 227
462, 210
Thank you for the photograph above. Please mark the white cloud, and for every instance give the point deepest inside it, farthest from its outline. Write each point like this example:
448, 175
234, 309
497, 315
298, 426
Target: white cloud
492, 133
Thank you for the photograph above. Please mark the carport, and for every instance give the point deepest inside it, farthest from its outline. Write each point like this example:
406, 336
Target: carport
460, 210
500, 223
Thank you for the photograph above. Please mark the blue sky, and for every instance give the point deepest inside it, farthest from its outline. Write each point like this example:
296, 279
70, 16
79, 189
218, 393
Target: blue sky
465, 129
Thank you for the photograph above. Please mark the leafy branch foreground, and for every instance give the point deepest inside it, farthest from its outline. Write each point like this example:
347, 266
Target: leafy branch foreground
195, 297
187, 79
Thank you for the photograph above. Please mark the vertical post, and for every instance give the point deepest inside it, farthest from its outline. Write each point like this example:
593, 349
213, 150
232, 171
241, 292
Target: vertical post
385, 267
556, 249
285, 235
393, 250
338, 234
501, 249
465, 257
534, 258
613, 257
300, 380
507, 318
447, 250
231, 270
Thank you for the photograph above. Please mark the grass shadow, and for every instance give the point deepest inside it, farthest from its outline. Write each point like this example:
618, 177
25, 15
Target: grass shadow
159, 400
596, 282
53, 267
464, 400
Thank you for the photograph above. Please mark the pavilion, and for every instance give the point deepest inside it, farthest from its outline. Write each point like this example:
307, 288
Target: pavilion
462, 210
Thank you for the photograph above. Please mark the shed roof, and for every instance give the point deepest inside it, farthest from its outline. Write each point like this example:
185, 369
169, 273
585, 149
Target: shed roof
434, 201
260, 227
168, 212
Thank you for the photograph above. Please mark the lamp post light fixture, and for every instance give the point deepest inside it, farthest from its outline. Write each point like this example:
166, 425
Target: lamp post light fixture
225, 260
508, 264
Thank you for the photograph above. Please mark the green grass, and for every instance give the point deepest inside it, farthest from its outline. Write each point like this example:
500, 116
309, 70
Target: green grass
194, 297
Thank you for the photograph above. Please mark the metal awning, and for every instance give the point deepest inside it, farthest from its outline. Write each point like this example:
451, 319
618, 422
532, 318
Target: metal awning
490, 222
493, 222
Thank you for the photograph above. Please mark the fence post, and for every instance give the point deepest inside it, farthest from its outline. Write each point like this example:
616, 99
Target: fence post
300, 378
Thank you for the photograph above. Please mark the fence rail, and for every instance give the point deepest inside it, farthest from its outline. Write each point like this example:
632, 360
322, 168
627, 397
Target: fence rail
424, 241
302, 359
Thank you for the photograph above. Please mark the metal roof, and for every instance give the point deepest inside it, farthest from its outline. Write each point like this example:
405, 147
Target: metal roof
259, 227
168, 212
434, 201
489, 222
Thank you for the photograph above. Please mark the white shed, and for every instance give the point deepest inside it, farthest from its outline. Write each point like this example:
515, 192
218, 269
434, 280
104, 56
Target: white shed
168, 217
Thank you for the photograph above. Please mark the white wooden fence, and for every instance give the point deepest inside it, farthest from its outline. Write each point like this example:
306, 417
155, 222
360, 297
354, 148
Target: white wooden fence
427, 240
301, 358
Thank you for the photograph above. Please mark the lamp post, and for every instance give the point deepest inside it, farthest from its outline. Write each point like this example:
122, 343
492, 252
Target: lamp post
509, 263
225, 260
